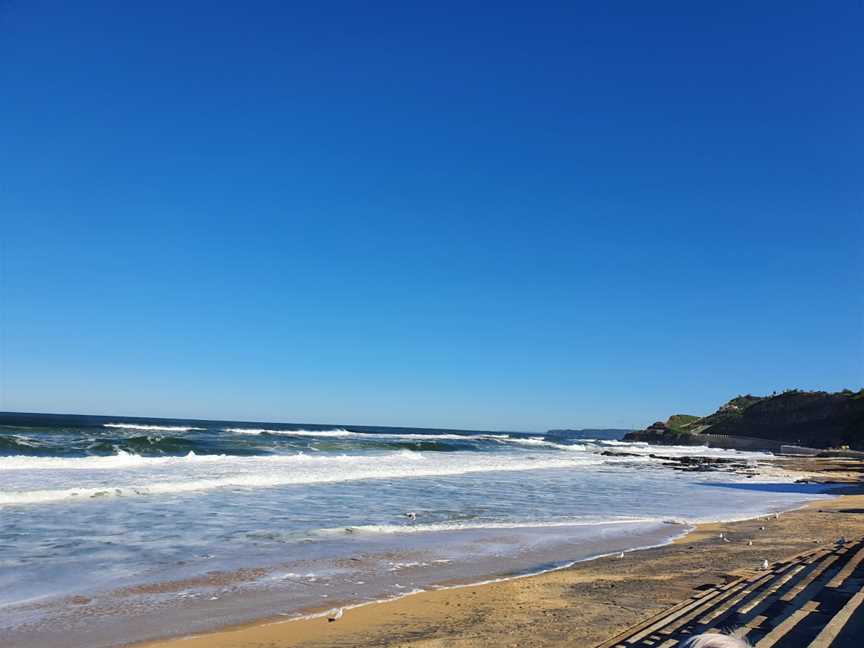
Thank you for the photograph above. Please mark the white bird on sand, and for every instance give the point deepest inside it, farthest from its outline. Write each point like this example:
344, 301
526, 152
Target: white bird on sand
724, 538
621, 555
749, 543
335, 614
411, 515
776, 516
764, 564
761, 528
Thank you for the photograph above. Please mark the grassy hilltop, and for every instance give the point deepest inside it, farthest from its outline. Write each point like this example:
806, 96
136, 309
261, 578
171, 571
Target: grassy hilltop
815, 419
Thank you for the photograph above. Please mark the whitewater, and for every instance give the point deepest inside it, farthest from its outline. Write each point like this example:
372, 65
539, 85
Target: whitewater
201, 523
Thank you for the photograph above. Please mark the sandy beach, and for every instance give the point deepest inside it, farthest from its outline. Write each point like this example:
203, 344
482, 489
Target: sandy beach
580, 605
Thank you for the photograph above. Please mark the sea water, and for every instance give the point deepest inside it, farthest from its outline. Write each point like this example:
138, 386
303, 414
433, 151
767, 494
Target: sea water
118, 529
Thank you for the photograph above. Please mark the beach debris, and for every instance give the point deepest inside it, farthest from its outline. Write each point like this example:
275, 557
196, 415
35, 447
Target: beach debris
764, 564
841, 540
411, 515
335, 614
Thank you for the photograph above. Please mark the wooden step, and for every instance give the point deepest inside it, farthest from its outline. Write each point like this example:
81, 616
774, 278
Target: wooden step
803, 584
668, 623
724, 603
787, 625
802, 603
847, 569
760, 603
620, 637
666, 619
672, 624
831, 631
634, 633
758, 590
750, 616
770, 605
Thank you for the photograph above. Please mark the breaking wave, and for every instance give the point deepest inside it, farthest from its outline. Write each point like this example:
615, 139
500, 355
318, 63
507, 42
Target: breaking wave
341, 433
338, 432
204, 473
142, 426
480, 524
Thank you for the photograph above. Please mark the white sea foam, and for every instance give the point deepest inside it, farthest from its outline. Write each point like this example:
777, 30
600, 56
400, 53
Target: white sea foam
121, 460
689, 451
479, 525
542, 443
25, 441
613, 442
141, 426
339, 432
204, 473
434, 437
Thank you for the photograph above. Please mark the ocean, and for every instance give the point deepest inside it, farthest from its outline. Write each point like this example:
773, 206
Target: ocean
115, 529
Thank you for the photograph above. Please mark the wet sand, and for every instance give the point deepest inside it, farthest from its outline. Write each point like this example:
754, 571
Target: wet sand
581, 605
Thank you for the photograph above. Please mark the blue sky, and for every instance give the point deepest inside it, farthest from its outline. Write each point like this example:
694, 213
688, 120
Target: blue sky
460, 215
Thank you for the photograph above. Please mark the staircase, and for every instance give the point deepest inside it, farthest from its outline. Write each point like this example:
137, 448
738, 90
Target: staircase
814, 600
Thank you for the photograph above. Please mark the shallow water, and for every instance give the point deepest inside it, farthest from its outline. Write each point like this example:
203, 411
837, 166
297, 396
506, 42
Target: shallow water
106, 523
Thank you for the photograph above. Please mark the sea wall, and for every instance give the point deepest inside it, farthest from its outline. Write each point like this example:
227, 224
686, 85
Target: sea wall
732, 442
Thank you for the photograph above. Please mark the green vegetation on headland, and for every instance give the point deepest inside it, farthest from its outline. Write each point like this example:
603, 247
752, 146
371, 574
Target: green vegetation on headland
681, 421
812, 419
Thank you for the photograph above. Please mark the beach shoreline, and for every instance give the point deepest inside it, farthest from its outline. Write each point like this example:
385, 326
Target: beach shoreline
584, 602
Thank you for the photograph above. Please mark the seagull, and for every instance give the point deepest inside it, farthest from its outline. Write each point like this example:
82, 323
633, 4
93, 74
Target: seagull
334, 614
411, 515
749, 543
724, 538
621, 555
764, 564
761, 528
776, 516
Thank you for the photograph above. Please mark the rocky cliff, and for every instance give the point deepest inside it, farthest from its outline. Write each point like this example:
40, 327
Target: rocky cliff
815, 419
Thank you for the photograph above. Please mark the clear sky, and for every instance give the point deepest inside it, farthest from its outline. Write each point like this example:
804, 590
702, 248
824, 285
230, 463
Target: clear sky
455, 215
